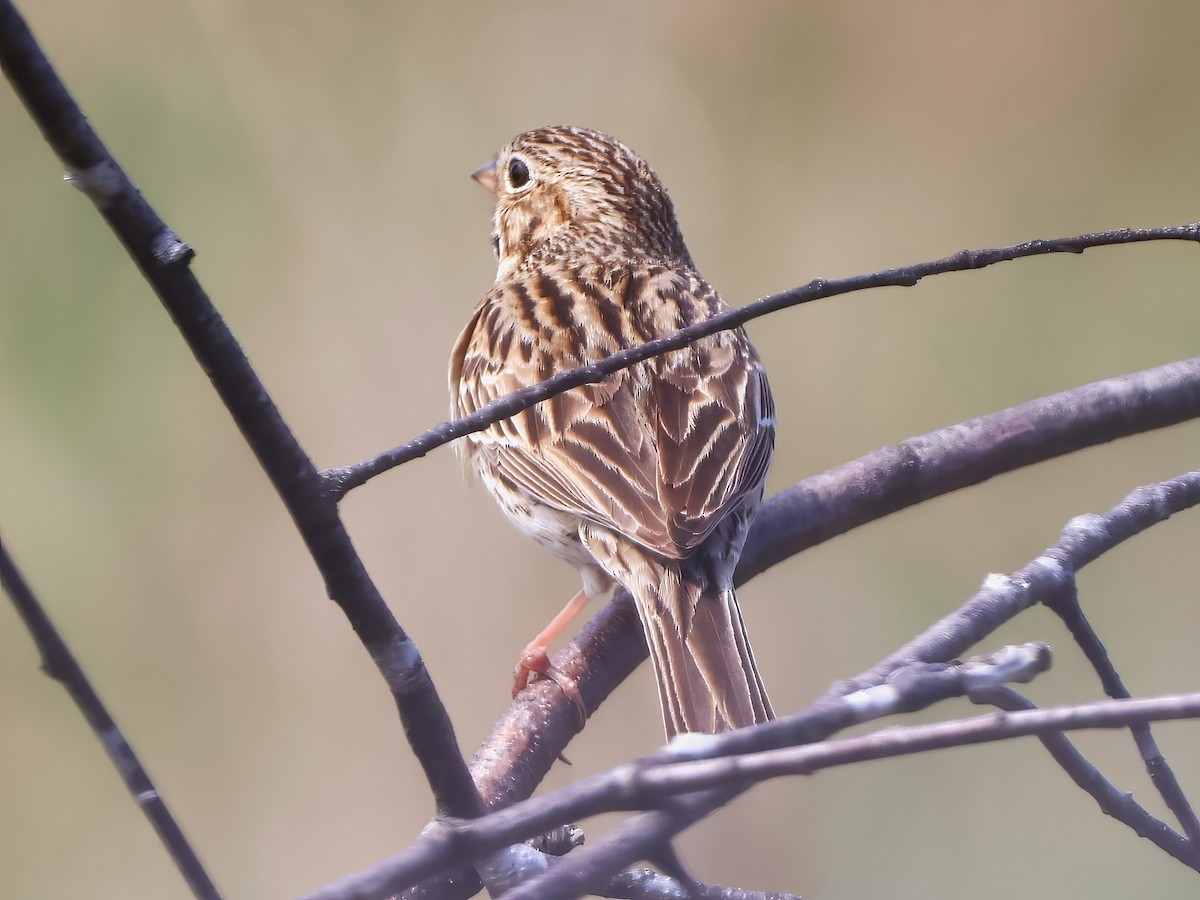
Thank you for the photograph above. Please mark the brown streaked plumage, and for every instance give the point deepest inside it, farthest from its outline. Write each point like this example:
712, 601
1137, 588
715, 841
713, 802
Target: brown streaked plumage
651, 478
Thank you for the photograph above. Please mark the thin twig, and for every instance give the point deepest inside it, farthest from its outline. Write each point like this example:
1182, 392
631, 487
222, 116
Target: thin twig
1085, 535
446, 843
339, 481
667, 779
907, 740
699, 787
1116, 803
1084, 539
163, 260
60, 664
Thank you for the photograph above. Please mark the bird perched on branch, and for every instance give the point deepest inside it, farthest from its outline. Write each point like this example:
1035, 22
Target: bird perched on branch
650, 478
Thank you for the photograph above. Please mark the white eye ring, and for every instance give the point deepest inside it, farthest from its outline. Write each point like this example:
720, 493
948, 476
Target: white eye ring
517, 174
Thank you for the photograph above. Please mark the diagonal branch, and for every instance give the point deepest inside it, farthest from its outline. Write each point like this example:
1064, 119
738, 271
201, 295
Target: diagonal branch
698, 787
1113, 802
1084, 540
1065, 603
1088, 537
656, 784
60, 664
588, 870
341, 480
163, 260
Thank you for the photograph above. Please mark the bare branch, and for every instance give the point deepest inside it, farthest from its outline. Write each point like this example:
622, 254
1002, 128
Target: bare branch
1116, 803
339, 481
682, 787
897, 741
1050, 579
60, 664
1095, 531
727, 760
163, 260
449, 843
1084, 539
921, 468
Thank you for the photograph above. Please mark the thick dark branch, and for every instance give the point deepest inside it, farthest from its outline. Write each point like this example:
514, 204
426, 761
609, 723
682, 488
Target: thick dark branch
346, 478
60, 664
163, 259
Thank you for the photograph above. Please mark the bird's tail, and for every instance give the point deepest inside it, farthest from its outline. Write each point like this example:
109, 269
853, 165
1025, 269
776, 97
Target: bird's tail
707, 678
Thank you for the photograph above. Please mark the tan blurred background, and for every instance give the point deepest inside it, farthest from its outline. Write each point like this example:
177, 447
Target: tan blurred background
316, 156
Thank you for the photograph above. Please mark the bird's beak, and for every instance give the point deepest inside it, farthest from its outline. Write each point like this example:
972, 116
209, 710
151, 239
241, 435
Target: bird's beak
486, 176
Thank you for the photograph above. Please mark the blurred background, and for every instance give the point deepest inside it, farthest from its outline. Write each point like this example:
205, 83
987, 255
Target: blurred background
316, 157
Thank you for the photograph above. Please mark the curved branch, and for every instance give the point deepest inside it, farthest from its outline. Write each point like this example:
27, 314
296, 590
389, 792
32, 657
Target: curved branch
902, 475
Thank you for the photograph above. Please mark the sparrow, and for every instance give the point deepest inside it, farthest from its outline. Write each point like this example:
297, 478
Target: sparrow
650, 479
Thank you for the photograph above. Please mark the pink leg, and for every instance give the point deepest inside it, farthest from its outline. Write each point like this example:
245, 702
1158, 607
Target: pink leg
534, 659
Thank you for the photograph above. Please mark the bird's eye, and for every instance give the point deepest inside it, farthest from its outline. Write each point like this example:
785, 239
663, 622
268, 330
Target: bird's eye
518, 173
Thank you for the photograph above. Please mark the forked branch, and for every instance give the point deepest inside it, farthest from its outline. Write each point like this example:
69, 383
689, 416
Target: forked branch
163, 259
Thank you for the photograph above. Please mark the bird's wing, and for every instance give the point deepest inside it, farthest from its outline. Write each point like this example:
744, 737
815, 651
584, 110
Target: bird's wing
659, 452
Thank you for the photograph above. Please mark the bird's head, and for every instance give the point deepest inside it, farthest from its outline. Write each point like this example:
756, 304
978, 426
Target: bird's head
572, 193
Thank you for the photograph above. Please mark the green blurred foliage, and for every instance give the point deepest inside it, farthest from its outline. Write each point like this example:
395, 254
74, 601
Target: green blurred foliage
315, 155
